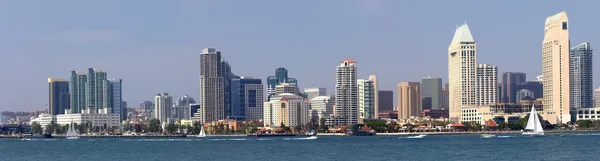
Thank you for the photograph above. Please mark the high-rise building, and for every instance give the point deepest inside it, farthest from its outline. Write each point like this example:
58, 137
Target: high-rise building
287, 88
321, 106
596, 97
246, 99
431, 93
314, 92
115, 97
409, 99
487, 84
181, 109
555, 68
445, 98
366, 99
346, 93
386, 101
510, 81
524, 93
58, 96
77, 88
281, 76
162, 109
212, 86
146, 105
227, 77
194, 111
286, 109
581, 76
462, 77
373, 78
533, 86
89, 89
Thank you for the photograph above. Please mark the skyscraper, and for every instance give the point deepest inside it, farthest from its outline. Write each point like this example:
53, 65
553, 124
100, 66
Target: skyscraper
77, 88
366, 99
432, 93
386, 101
445, 98
462, 60
281, 76
487, 84
212, 86
181, 109
247, 99
510, 81
146, 105
321, 106
581, 77
373, 78
115, 98
555, 68
314, 92
409, 99
227, 77
162, 109
58, 96
97, 92
346, 93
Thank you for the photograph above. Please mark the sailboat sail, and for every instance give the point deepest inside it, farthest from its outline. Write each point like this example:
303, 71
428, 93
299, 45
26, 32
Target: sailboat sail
538, 125
533, 123
71, 131
202, 132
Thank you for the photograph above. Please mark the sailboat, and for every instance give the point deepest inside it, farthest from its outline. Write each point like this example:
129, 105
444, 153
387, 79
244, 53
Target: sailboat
72, 134
534, 127
201, 134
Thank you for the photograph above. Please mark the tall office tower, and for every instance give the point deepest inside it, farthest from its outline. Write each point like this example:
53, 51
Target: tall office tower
555, 68
409, 99
115, 98
346, 93
487, 84
510, 81
581, 76
386, 101
288, 109
227, 77
321, 106
596, 97
77, 91
524, 93
445, 98
58, 96
373, 78
314, 92
146, 105
97, 92
366, 99
247, 99
461, 71
181, 109
162, 109
281, 76
212, 88
431, 93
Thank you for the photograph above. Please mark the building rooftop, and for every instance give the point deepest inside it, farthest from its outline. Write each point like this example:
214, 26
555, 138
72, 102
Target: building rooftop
349, 60
462, 34
556, 17
56, 80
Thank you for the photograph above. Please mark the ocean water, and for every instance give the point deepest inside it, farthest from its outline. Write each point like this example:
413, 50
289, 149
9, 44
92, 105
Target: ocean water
433, 147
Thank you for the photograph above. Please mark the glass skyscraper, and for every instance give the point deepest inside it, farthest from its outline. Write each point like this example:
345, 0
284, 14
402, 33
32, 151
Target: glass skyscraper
582, 89
432, 93
246, 99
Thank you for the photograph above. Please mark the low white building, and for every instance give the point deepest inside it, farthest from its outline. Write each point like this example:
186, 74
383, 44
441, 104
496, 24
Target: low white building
43, 119
288, 109
103, 117
321, 106
588, 113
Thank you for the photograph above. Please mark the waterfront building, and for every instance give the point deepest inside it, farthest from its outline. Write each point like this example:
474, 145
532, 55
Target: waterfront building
377, 102
346, 93
588, 113
286, 109
409, 100
524, 93
386, 100
89, 89
314, 92
366, 99
556, 69
581, 76
181, 109
461, 71
212, 86
321, 106
162, 107
77, 91
246, 99
281, 76
115, 97
435, 113
431, 93
486, 84
89, 116
58, 100
44, 119
510, 80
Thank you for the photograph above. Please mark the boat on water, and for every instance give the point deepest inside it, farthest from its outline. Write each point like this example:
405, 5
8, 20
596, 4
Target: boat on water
201, 134
417, 137
29, 136
534, 127
72, 133
487, 136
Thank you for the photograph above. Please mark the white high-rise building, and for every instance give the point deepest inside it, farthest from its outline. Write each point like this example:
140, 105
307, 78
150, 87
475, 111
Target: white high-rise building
346, 93
487, 84
461, 71
555, 68
162, 107
366, 99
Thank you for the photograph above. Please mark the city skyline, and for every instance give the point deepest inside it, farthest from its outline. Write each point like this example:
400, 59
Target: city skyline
67, 44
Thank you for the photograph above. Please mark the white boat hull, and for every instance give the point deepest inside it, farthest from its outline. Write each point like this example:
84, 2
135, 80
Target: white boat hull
72, 137
488, 136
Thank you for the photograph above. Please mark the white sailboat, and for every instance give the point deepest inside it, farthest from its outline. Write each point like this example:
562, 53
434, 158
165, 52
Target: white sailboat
201, 134
534, 127
72, 133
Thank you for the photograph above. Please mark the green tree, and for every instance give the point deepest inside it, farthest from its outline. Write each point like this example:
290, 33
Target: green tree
51, 128
154, 125
137, 128
171, 128
36, 128
584, 123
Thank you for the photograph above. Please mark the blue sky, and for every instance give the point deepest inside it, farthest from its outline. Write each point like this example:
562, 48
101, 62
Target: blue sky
154, 46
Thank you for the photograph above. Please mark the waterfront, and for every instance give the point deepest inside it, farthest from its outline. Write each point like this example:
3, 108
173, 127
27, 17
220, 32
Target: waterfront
556, 146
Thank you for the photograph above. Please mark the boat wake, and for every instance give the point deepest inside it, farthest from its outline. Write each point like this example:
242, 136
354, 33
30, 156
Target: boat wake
305, 138
591, 134
506, 136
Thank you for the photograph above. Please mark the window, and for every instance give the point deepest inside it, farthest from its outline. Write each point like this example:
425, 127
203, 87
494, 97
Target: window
564, 25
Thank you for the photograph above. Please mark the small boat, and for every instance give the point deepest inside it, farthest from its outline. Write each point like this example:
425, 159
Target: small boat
534, 127
487, 136
417, 137
72, 134
201, 134
312, 138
